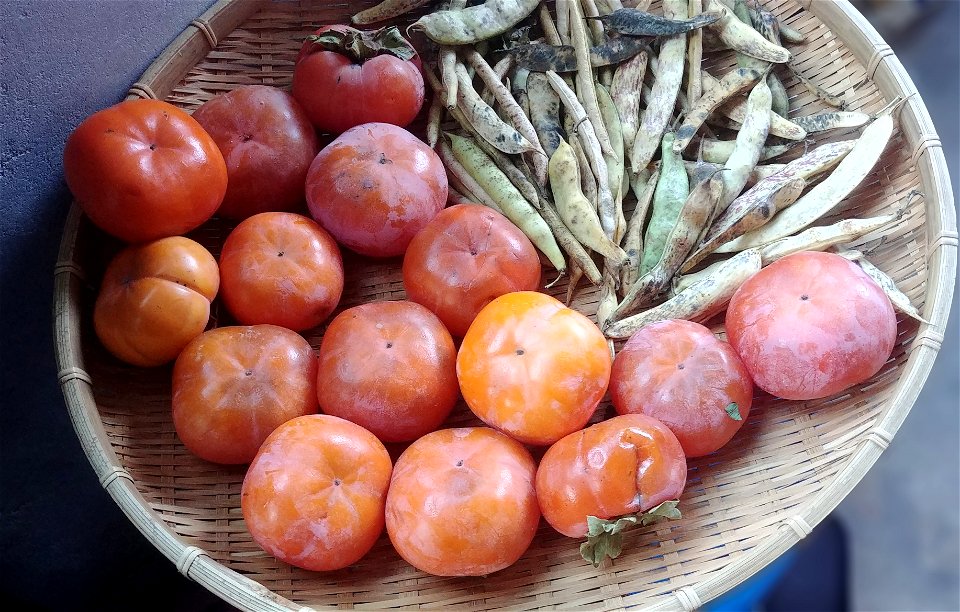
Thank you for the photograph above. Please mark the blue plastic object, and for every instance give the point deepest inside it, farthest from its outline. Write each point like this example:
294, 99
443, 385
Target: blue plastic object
751, 594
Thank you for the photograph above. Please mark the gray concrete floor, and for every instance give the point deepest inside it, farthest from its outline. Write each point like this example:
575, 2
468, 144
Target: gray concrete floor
902, 518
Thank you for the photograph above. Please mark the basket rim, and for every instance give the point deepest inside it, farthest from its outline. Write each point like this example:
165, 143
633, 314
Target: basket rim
883, 68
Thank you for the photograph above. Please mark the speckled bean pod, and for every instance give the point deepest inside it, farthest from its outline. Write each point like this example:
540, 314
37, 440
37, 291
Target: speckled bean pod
698, 302
474, 24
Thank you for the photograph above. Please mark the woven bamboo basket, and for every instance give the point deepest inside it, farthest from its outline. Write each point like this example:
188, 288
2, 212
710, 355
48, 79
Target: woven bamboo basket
789, 466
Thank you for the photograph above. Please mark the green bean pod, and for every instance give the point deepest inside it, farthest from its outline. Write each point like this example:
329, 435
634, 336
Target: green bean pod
485, 120
615, 162
749, 145
780, 100
633, 238
540, 57
730, 85
718, 151
640, 23
668, 72
625, 91
577, 213
743, 38
544, 112
696, 212
386, 10
833, 120
698, 302
673, 188
792, 35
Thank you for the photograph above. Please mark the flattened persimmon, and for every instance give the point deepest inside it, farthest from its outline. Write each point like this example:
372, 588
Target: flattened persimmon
624, 465
154, 299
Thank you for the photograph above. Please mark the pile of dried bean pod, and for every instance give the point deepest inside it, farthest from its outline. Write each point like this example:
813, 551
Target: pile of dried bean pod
554, 116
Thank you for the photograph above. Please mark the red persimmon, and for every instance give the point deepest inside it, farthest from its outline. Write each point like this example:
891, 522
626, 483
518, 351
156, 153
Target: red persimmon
267, 141
344, 77
144, 169
375, 187
314, 495
390, 367
681, 374
624, 465
462, 502
810, 325
463, 259
232, 386
281, 268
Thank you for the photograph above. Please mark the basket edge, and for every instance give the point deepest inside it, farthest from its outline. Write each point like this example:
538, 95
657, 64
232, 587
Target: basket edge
886, 70
157, 81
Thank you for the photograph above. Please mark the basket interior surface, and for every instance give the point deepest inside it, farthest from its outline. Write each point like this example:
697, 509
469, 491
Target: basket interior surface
784, 455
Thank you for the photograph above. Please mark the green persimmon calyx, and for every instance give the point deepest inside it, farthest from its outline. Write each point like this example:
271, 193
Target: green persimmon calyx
361, 45
605, 536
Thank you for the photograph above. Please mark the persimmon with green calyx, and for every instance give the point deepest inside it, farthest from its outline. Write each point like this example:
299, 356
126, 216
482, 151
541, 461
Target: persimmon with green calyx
605, 536
680, 373
344, 77
626, 465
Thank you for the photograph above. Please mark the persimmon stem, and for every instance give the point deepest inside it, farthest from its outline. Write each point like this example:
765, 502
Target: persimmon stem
605, 536
361, 45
